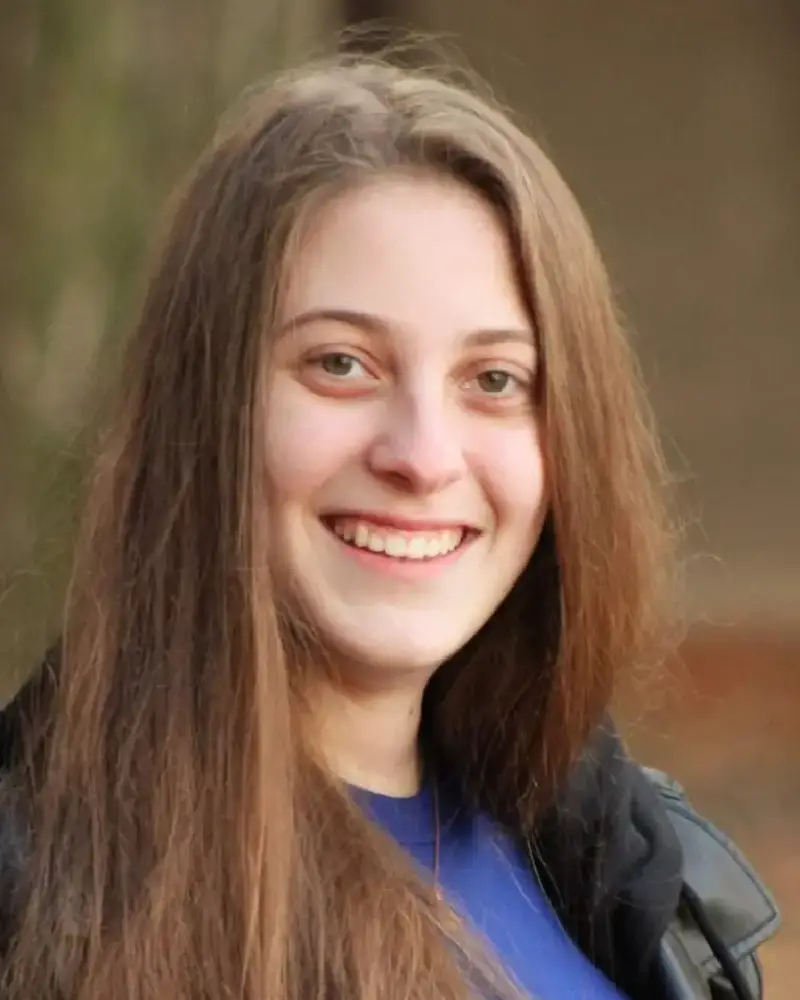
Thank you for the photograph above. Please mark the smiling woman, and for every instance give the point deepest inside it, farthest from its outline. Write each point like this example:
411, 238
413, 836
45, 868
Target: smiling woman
378, 522
402, 424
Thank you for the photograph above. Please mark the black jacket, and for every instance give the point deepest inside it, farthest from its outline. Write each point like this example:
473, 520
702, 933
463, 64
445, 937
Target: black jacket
657, 897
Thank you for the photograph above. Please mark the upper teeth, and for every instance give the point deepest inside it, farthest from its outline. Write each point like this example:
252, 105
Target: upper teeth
400, 544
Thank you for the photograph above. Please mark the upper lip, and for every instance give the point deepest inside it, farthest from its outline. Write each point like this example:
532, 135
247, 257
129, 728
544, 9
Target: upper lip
401, 523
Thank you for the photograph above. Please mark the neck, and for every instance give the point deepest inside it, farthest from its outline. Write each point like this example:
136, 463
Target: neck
370, 737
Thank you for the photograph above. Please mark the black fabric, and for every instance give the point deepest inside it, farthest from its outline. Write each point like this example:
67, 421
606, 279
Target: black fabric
611, 863
28, 708
607, 854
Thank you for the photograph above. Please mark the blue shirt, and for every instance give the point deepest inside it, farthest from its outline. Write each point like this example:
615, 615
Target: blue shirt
492, 885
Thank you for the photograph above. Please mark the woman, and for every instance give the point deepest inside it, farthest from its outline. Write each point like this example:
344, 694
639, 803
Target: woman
378, 520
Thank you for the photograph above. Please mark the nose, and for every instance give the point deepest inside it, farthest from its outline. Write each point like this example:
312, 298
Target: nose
419, 448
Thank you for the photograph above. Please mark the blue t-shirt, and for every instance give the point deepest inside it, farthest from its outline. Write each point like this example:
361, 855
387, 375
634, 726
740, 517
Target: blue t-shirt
490, 883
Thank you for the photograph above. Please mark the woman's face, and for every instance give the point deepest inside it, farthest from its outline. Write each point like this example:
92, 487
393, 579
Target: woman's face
404, 454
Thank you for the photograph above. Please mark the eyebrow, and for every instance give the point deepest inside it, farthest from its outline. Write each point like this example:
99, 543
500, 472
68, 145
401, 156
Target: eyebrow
378, 326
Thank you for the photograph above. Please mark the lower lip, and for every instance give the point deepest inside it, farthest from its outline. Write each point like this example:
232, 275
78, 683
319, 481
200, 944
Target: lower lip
403, 569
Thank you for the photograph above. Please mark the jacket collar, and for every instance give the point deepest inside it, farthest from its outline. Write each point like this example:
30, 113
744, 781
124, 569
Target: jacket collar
611, 862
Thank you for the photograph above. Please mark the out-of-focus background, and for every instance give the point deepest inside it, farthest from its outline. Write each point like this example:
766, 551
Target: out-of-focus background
678, 124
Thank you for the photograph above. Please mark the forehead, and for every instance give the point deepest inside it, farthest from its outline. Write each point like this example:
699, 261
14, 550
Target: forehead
418, 250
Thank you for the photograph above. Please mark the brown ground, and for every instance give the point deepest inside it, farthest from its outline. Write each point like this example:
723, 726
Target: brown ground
728, 730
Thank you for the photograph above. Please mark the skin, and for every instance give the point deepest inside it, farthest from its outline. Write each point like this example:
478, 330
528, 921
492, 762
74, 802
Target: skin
400, 390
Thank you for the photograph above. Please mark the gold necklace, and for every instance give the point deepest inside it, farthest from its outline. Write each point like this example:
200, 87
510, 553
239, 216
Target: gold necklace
437, 828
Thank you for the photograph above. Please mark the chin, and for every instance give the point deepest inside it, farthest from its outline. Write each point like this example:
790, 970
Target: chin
383, 638
396, 654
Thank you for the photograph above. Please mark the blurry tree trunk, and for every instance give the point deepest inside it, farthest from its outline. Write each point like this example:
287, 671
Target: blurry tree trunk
359, 11
103, 107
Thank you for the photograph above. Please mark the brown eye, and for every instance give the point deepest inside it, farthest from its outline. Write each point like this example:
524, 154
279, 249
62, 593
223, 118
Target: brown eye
496, 382
341, 365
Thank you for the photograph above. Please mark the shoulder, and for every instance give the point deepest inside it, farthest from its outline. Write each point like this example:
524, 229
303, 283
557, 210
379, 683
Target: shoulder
726, 912
650, 888
15, 843
17, 719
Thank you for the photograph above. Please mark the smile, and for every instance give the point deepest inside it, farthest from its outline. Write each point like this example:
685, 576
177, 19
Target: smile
416, 545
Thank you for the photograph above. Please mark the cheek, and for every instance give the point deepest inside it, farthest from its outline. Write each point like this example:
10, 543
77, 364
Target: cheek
512, 466
308, 441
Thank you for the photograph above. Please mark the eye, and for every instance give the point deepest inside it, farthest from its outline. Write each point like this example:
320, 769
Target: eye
341, 366
497, 382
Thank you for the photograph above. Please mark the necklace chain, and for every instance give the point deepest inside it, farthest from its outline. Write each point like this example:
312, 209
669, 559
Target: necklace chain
437, 828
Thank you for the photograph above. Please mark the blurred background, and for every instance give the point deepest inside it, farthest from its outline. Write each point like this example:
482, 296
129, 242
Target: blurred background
678, 125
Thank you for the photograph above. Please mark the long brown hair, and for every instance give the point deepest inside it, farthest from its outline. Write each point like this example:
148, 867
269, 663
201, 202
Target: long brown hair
186, 844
